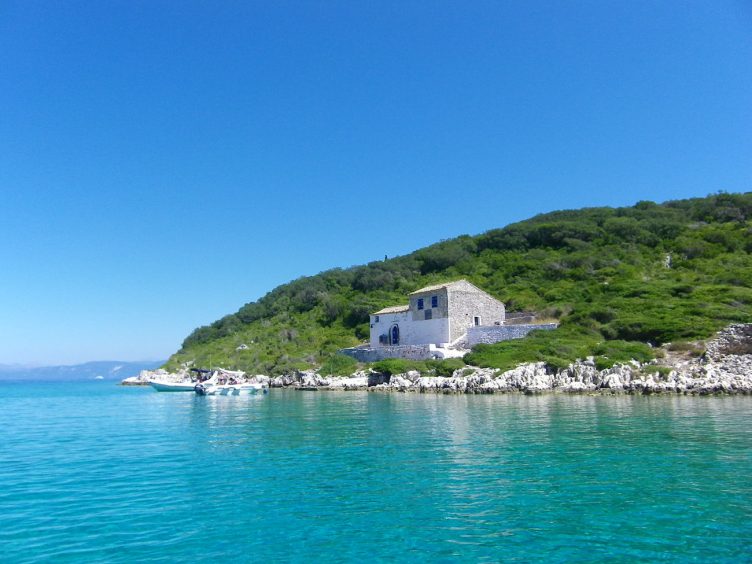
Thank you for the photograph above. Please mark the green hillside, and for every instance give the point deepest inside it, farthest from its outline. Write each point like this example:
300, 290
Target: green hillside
616, 278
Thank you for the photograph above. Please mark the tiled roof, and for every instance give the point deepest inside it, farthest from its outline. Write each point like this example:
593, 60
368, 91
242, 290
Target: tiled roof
437, 287
392, 309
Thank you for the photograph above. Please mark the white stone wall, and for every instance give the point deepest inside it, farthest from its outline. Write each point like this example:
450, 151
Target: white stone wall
495, 334
384, 325
441, 309
412, 352
467, 302
431, 331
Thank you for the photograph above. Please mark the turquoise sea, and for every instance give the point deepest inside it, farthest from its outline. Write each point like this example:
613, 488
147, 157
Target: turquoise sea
94, 472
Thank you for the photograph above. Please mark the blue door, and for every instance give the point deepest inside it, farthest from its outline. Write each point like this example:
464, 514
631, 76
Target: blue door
395, 335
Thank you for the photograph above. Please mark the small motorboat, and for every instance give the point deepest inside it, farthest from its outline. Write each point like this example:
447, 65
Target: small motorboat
167, 386
208, 389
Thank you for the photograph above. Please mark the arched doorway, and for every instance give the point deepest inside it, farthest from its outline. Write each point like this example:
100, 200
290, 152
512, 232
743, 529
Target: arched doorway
394, 335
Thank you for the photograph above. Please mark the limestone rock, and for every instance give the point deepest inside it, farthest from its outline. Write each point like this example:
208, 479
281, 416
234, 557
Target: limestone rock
726, 368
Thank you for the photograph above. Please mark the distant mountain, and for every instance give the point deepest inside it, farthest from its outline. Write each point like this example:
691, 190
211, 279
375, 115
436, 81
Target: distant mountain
16, 367
107, 369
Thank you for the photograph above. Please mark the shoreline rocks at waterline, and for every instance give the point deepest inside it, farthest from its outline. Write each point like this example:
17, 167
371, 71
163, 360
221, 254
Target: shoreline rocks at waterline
145, 376
727, 375
726, 368
724, 377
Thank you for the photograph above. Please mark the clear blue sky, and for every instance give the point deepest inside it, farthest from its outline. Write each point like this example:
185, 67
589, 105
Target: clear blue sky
163, 163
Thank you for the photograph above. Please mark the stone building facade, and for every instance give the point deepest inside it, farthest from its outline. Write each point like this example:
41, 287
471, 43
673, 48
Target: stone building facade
439, 315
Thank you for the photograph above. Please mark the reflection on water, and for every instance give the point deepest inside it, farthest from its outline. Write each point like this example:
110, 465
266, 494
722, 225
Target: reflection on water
119, 475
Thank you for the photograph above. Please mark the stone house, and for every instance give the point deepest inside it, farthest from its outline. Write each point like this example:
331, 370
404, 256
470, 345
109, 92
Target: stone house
438, 315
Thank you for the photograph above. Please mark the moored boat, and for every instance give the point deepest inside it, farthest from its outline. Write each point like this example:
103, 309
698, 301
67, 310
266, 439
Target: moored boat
207, 389
166, 386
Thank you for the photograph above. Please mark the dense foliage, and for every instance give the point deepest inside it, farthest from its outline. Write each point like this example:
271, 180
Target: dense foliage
425, 367
617, 278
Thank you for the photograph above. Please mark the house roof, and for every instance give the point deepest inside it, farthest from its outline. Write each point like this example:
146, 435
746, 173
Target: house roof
392, 309
439, 286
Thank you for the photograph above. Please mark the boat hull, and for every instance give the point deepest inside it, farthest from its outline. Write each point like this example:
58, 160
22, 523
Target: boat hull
230, 390
172, 386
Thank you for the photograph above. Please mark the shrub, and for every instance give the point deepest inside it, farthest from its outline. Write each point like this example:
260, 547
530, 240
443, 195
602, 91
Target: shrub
556, 348
363, 331
398, 366
441, 256
609, 353
445, 367
338, 365
628, 229
694, 349
662, 371
331, 309
359, 313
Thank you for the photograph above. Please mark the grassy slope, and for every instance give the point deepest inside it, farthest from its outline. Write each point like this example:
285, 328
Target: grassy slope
601, 271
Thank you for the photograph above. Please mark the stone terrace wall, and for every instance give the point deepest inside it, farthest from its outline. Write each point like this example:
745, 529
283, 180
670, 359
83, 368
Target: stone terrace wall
413, 352
735, 339
495, 333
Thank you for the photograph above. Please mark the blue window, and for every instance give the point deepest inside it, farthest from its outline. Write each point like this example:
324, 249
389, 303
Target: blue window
434, 301
420, 303
376, 319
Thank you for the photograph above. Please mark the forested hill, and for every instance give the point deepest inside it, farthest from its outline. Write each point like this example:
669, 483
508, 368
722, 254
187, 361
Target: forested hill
614, 277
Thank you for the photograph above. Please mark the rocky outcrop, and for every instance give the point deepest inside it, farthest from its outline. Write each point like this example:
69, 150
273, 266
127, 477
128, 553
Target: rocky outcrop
184, 374
145, 376
734, 341
355, 382
312, 379
732, 376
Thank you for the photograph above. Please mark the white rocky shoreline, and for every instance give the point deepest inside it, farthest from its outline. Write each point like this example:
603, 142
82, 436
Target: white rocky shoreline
724, 368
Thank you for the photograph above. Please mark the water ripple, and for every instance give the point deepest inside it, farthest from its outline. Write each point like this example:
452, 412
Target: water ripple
96, 473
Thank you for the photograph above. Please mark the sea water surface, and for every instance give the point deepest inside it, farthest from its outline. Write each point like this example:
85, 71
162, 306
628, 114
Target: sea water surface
97, 472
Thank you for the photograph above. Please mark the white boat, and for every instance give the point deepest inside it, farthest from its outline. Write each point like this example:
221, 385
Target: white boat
165, 386
207, 389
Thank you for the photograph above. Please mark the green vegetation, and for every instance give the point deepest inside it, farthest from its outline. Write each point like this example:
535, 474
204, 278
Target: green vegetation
692, 349
445, 367
339, 365
558, 349
616, 278
425, 367
609, 353
661, 371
